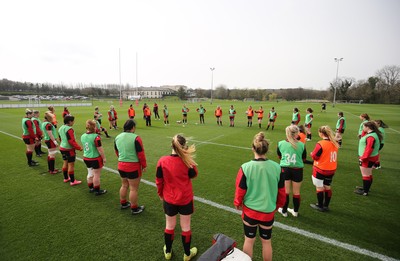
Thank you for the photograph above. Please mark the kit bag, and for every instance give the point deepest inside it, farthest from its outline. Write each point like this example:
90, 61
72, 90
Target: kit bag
222, 246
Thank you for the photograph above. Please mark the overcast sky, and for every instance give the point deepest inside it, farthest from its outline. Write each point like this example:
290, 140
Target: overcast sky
250, 43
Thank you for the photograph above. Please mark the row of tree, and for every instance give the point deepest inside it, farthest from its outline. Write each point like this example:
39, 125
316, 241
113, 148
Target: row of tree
384, 87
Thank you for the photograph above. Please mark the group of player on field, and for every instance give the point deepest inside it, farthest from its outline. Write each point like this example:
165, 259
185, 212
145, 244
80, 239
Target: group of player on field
256, 179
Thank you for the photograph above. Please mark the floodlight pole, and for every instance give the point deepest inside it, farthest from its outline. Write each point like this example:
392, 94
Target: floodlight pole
120, 84
337, 60
212, 82
137, 85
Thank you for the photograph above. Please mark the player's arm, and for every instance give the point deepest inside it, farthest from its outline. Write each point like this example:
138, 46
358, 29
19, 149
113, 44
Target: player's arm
304, 155
97, 142
116, 149
71, 139
368, 148
160, 180
278, 152
317, 152
29, 125
192, 172
140, 152
281, 198
241, 189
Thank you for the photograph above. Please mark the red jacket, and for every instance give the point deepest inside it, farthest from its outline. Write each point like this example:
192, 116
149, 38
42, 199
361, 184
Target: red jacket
173, 179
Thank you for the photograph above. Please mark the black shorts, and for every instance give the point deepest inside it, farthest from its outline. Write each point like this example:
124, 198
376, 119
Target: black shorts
326, 178
96, 163
254, 222
129, 175
308, 125
249, 117
50, 144
271, 120
172, 210
68, 155
29, 141
293, 174
342, 131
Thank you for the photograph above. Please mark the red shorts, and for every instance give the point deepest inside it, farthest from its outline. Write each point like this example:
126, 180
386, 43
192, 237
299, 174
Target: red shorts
369, 162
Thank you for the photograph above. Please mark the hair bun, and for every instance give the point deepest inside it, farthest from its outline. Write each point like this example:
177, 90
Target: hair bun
260, 136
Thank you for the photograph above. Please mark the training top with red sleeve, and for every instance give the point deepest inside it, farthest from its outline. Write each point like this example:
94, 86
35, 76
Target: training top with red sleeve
368, 148
173, 180
68, 141
260, 189
65, 113
129, 148
38, 126
28, 131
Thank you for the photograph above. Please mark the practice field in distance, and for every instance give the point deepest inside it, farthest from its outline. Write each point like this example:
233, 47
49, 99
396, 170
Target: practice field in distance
43, 218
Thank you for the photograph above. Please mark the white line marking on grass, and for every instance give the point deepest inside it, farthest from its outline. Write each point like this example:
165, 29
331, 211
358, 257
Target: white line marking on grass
205, 142
224, 145
358, 116
296, 230
218, 144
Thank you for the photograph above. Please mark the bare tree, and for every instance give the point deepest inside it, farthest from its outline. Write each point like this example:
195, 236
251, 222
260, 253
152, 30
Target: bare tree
389, 79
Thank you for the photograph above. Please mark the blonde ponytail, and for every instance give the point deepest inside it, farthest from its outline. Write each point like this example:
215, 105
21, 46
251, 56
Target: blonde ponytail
292, 132
327, 132
184, 152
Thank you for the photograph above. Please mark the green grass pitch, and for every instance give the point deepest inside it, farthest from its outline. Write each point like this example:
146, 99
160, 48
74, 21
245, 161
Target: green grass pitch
44, 219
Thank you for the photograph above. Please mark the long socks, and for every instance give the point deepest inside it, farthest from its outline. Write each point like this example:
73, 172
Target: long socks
71, 176
65, 173
320, 197
367, 182
296, 203
168, 239
328, 196
38, 149
284, 209
51, 163
29, 157
186, 240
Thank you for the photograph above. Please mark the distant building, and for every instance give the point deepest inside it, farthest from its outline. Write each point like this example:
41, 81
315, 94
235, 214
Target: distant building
151, 92
175, 88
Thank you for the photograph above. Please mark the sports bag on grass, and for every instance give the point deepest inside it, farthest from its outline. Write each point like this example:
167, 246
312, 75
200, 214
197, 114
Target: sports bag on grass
222, 246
